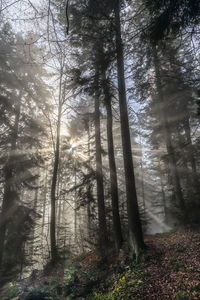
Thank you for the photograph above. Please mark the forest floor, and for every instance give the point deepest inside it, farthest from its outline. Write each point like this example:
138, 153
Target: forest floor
170, 269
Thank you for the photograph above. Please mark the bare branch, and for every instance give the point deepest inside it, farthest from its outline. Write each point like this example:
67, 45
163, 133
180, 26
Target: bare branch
9, 5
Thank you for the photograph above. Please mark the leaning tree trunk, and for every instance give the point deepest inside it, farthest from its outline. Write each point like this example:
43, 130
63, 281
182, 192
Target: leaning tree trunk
168, 139
103, 236
113, 171
10, 193
53, 201
134, 222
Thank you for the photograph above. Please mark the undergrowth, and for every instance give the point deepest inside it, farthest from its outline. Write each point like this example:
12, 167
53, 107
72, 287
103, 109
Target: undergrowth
168, 270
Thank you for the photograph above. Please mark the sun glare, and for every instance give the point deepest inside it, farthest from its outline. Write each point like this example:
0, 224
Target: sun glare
73, 146
64, 130
76, 149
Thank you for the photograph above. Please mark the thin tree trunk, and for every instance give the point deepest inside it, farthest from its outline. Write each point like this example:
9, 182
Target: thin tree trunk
113, 171
54, 253
142, 184
142, 170
163, 194
33, 232
89, 192
53, 198
75, 204
134, 222
190, 152
59, 208
103, 236
142, 175
44, 202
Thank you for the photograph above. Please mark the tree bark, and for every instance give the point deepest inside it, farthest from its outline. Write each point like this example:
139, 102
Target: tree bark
103, 236
75, 204
134, 222
113, 170
59, 208
89, 190
54, 253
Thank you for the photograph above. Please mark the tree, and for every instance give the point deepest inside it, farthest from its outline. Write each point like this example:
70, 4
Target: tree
170, 17
99, 176
21, 109
91, 85
54, 254
101, 12
135, 227
112, 166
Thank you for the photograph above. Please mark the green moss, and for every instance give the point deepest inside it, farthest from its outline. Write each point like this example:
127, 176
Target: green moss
122, 286
176, 264
38, 292
195, 288
181, 296
190, 269
180, 250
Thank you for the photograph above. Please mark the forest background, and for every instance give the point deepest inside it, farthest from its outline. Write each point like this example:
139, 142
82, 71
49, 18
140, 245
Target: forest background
99, 106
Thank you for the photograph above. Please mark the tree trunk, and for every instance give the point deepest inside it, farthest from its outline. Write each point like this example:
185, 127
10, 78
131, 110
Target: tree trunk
32, 235
142, 179
10, 193
99, 179
53, 197
44, 210
113, 171
44, 207
87, 123
59, 208
75, 204
7, 207
134, 222
163, 194
89, 191
190, 152
54, 254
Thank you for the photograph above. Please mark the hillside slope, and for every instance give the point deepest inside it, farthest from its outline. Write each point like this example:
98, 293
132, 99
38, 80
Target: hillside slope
170, 269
